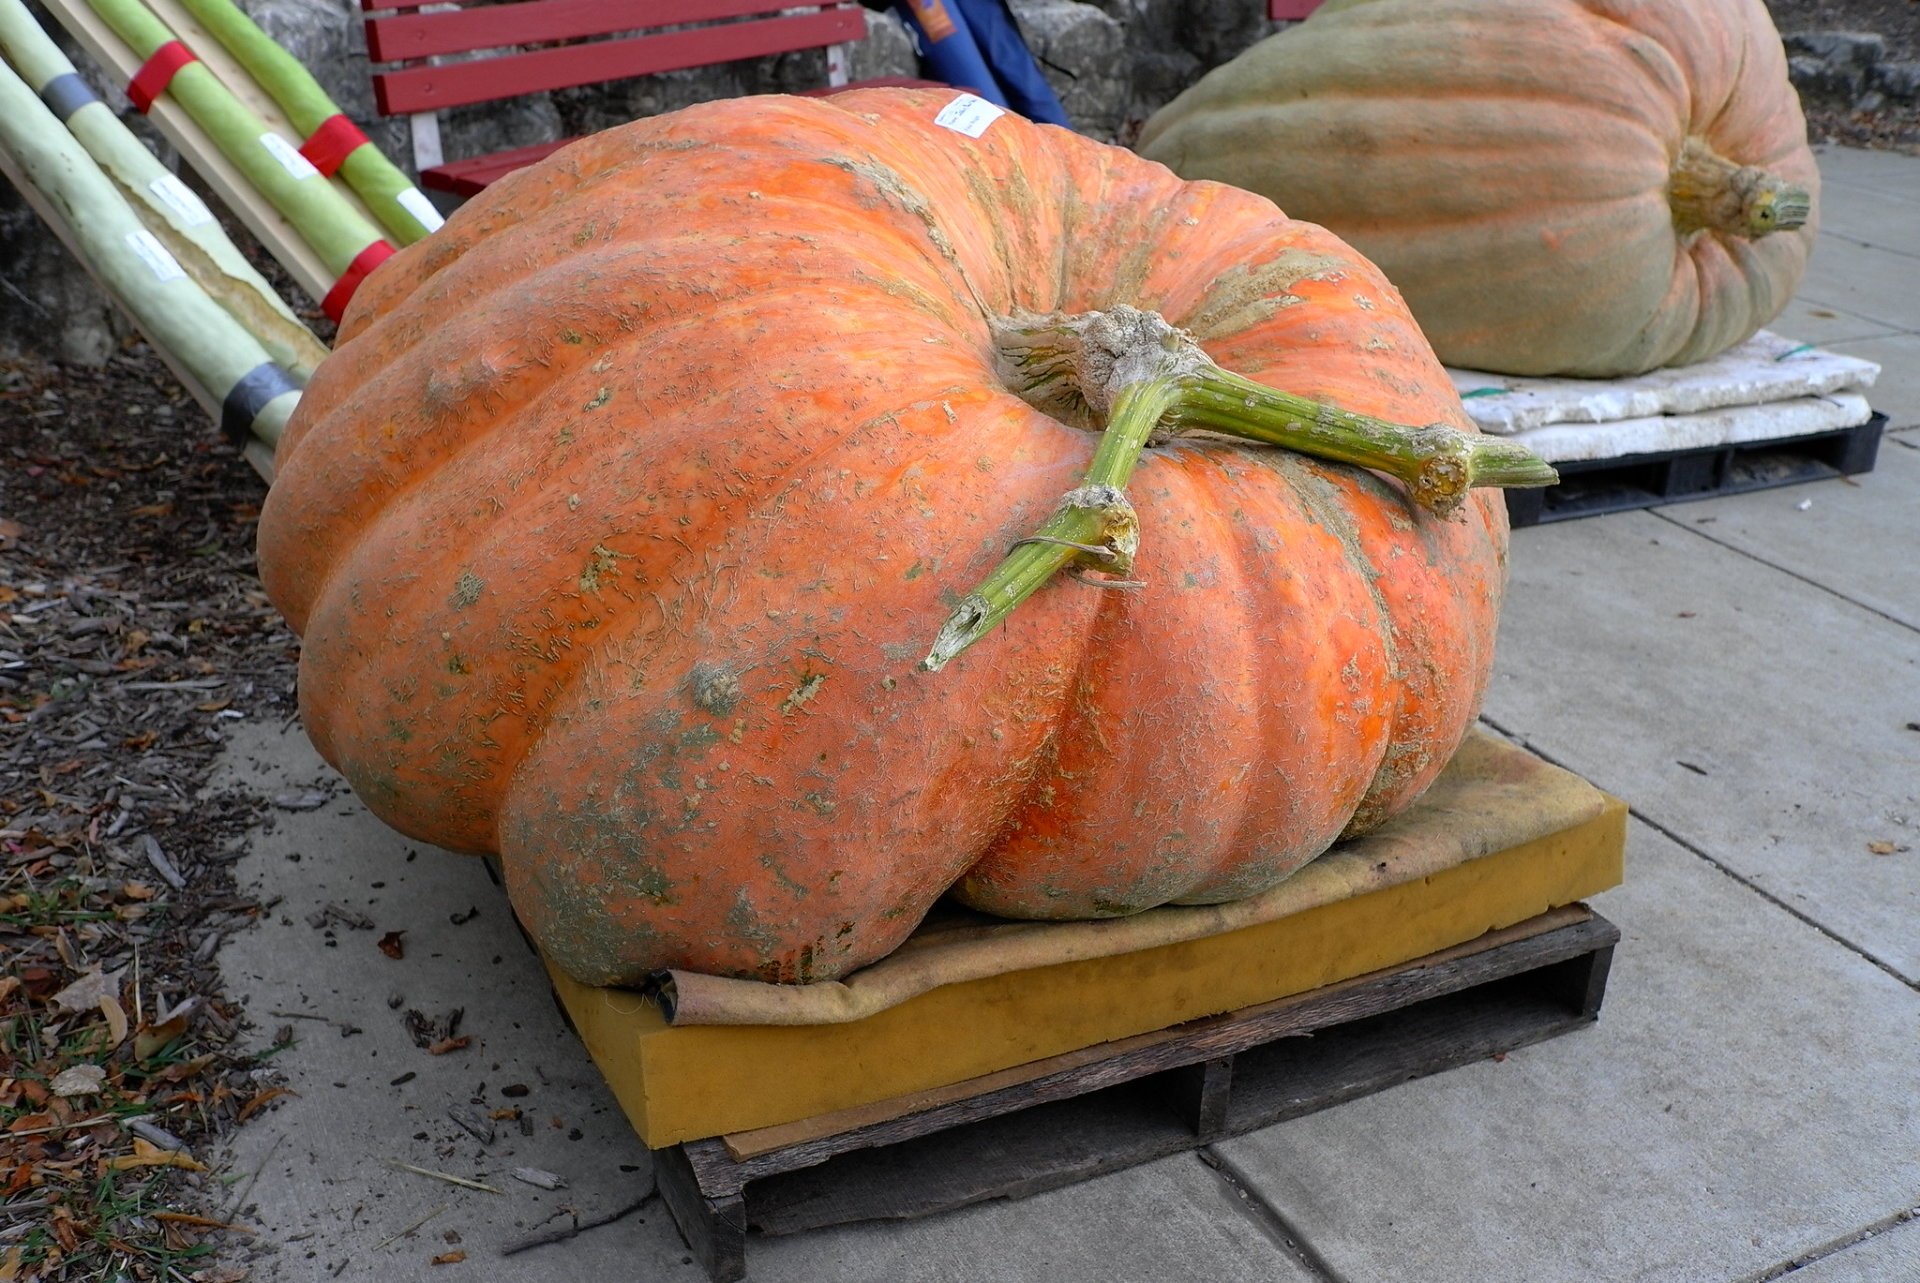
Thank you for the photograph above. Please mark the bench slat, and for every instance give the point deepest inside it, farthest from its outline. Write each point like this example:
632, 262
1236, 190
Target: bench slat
484, 80
468, 177
426, 35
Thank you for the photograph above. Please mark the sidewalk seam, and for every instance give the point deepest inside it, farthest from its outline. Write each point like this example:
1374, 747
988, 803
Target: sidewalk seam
1281, 1232
1661, 512
1693, 849
1831, 1248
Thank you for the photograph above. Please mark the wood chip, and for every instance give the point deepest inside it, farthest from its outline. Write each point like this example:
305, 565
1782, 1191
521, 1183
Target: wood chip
461, 1181
161, 864
150, 1131
473, 1122
536, 1177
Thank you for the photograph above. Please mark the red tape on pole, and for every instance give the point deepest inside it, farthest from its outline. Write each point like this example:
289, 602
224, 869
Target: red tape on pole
156, 73
335, 303
329, 146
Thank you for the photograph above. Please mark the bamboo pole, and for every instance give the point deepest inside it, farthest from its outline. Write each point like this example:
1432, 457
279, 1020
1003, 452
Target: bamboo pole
167, 206
401, 207
336, 231
255, 395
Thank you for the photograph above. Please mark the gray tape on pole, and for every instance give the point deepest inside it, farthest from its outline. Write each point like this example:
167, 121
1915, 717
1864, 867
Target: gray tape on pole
245, 399
65, 95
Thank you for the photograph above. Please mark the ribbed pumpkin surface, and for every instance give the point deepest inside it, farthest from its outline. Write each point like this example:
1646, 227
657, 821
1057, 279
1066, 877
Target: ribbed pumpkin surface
618, 521
1508, 163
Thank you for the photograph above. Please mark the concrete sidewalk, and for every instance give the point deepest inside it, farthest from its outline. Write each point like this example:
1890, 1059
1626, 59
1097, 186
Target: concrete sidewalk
1745, 671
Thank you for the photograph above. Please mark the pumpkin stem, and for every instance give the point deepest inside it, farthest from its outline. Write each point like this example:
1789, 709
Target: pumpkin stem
1709, 192
1135, 373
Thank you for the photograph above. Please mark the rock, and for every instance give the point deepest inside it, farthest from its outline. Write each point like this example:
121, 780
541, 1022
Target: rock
1082, 52
1832, 65
1841, 48
1172, 43
49, 306
1899, 81
887, 50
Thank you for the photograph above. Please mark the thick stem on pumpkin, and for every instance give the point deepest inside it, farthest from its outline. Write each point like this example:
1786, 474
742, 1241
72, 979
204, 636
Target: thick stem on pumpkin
1133, 372
1709, 192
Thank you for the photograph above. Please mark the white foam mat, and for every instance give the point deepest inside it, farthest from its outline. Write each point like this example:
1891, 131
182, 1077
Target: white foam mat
1769, 374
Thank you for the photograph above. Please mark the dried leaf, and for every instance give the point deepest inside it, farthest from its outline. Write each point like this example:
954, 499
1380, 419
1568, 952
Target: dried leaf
147, 1154
137, 891
449, 1258
80, 1080
116, 1020
184, 1070
219, 1274
390, 945
85, 993
154, 1039
1885, 848
271, 1093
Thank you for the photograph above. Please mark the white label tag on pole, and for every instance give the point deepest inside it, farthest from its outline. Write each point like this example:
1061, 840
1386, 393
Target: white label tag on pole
179, 197
288, 155
155, 256
969, 115
415, 202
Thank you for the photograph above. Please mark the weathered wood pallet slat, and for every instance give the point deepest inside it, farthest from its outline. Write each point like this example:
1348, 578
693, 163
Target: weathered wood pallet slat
1068, 1119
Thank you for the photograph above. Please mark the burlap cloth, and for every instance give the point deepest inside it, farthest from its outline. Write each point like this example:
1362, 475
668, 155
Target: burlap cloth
1491, 797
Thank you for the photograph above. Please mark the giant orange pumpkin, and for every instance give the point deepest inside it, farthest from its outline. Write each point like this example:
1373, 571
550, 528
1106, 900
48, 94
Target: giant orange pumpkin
1581, 187
619, 521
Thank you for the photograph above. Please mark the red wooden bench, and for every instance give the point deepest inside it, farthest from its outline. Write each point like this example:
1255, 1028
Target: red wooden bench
581, 42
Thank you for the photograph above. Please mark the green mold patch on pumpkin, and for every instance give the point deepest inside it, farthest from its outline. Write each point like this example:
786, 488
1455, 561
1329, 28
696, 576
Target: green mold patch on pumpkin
1244, 295
466, 590
602, 563
715, 688
800, 695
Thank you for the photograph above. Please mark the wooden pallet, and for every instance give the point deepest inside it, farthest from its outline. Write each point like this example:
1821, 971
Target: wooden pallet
1591, 487
1071, 1117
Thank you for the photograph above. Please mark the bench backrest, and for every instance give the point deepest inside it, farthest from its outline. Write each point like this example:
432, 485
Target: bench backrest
739, 29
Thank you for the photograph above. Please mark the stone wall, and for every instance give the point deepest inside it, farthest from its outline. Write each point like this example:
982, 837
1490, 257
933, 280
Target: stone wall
1850, 70
1113, 62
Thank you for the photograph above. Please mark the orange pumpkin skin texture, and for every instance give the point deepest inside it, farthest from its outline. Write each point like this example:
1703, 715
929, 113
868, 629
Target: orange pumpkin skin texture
1509, 164
617, 523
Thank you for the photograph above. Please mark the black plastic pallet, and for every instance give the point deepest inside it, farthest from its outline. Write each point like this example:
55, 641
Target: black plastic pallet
1591, 487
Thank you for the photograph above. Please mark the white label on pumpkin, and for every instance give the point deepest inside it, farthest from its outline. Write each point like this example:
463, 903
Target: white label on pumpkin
179, 197
155, 256
288, 155
415, 202
969, 115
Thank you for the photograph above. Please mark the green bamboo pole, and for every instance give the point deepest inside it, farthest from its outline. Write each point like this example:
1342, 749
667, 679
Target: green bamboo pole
1132, 374
169, 306
400, 206
165, 204
321, 215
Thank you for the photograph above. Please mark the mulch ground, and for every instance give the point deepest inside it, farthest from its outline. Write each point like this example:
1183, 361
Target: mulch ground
133, 632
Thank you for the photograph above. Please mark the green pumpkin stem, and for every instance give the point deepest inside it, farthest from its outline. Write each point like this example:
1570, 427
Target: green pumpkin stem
1136, 374
1708, 192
